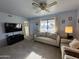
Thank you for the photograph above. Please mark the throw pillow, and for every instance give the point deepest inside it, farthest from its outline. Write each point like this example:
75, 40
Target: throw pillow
74, 44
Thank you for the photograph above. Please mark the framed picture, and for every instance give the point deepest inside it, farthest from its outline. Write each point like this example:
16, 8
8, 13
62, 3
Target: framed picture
70, 18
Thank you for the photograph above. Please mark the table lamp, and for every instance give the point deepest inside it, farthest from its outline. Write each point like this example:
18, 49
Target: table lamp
68, 30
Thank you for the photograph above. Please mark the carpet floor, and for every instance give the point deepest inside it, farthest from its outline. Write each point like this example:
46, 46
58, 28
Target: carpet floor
28, 49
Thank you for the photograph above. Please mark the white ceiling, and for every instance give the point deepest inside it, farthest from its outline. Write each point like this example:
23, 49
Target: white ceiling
24, 7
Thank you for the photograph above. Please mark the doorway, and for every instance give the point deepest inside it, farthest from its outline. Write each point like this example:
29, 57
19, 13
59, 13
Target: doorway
26, 29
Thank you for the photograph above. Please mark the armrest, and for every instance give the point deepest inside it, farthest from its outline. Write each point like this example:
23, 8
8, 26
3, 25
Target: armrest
72, 52
58, 40
71, 49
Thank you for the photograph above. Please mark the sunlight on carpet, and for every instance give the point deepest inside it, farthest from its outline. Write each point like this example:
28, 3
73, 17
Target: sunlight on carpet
34, 55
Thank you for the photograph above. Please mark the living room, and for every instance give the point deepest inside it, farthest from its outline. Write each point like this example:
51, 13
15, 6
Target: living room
39, 29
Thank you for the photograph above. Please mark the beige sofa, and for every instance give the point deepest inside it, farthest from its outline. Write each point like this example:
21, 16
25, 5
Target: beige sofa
48, 38
69, 52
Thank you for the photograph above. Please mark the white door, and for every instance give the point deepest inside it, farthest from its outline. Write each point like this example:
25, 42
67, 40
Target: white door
26, 29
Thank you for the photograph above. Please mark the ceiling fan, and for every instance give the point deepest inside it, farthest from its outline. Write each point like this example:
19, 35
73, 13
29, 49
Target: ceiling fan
43, 5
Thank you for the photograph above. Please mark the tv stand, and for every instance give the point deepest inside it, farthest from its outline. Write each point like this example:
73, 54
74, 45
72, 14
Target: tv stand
14, 39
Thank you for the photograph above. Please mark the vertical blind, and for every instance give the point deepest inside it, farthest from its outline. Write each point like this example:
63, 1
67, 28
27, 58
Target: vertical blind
48, 26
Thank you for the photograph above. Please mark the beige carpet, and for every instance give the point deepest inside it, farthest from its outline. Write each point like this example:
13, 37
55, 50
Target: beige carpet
28, 49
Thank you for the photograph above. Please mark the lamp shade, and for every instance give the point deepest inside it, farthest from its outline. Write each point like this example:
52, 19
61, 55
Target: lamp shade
69, 29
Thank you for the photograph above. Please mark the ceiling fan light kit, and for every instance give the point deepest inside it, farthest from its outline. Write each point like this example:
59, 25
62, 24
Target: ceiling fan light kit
43, 5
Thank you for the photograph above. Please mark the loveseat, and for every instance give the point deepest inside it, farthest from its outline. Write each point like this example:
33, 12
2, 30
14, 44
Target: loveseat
49, 38
71, 50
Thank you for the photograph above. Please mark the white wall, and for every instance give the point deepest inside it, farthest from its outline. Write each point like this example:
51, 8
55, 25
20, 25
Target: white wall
60, 17
33, 25
14, 19
77, 20
77, 25
78, 13
64, 16
5, 18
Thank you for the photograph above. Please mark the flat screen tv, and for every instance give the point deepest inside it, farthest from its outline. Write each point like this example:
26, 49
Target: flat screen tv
12, 27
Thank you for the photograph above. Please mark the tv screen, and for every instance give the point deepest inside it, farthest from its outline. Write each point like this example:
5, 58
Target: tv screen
12, 27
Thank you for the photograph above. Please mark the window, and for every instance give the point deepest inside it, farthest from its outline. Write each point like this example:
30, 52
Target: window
43, 26
48, 26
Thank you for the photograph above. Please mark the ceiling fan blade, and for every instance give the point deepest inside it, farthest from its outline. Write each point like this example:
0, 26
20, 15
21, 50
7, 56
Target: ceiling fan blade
36, 1
35, 4
52, 4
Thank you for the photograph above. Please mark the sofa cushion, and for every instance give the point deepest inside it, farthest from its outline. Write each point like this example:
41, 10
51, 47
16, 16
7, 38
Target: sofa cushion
52, 36
46, 40
48, 35
43, 34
